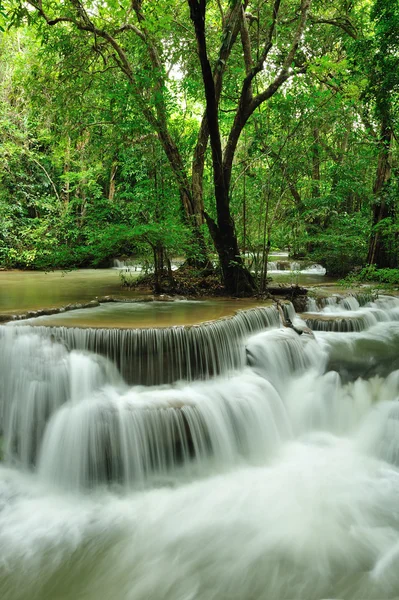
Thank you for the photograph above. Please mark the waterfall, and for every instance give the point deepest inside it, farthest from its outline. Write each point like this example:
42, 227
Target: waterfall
131, 265
127, 265
337, 303
136, 437
351, 313
155, 356
233, 460
279, 353
311, 305
285, 266
47, 376
71, 413
60, 365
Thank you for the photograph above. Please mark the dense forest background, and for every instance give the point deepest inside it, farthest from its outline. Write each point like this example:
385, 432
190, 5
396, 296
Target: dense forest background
199, 129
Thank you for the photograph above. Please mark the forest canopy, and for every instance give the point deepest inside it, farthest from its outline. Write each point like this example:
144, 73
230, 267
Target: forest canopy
212, 131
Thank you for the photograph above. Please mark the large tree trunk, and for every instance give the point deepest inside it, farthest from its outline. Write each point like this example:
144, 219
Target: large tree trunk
378, 253
237, 280
231, 28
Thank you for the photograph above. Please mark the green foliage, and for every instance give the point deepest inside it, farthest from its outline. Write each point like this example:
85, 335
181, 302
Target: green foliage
84, 178
371, 274
342, 245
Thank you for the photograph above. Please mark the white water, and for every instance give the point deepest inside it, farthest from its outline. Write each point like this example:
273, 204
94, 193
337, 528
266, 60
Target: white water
132, 266
274, 482
279, 268
346, 314
154, 356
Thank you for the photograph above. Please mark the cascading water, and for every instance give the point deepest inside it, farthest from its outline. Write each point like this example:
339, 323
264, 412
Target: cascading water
127, 265
154, 356
263, 468
281, 267
133, 266
350, 313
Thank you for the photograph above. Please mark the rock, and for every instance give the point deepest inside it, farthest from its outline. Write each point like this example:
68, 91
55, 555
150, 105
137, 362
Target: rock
300, 303
290, 291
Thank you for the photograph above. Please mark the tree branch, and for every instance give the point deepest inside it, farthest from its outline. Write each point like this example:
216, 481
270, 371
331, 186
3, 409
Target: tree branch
266, 48
231, 29
221, 11
130, 27
247, 104
246, 46
284, 72
197, 15
47, 175
83, 23
343, 23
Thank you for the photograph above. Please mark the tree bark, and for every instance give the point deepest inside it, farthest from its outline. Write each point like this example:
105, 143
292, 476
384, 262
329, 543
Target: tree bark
236, 278
231, 26
378, 253
112, 182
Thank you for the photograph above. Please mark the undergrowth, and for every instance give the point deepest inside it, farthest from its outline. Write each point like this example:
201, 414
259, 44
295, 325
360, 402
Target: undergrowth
371, 274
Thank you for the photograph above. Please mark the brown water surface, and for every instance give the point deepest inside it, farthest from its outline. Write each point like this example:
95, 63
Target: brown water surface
21, 291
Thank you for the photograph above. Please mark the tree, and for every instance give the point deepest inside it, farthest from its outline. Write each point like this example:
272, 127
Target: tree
383, 88
64, 133
108, 85
236, 277
113, 42
148, 82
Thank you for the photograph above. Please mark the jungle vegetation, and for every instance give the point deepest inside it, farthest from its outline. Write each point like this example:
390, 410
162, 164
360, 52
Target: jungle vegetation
216, 129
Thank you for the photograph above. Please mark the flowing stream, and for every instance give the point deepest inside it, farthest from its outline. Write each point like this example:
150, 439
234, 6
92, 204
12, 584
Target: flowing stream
234, 460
